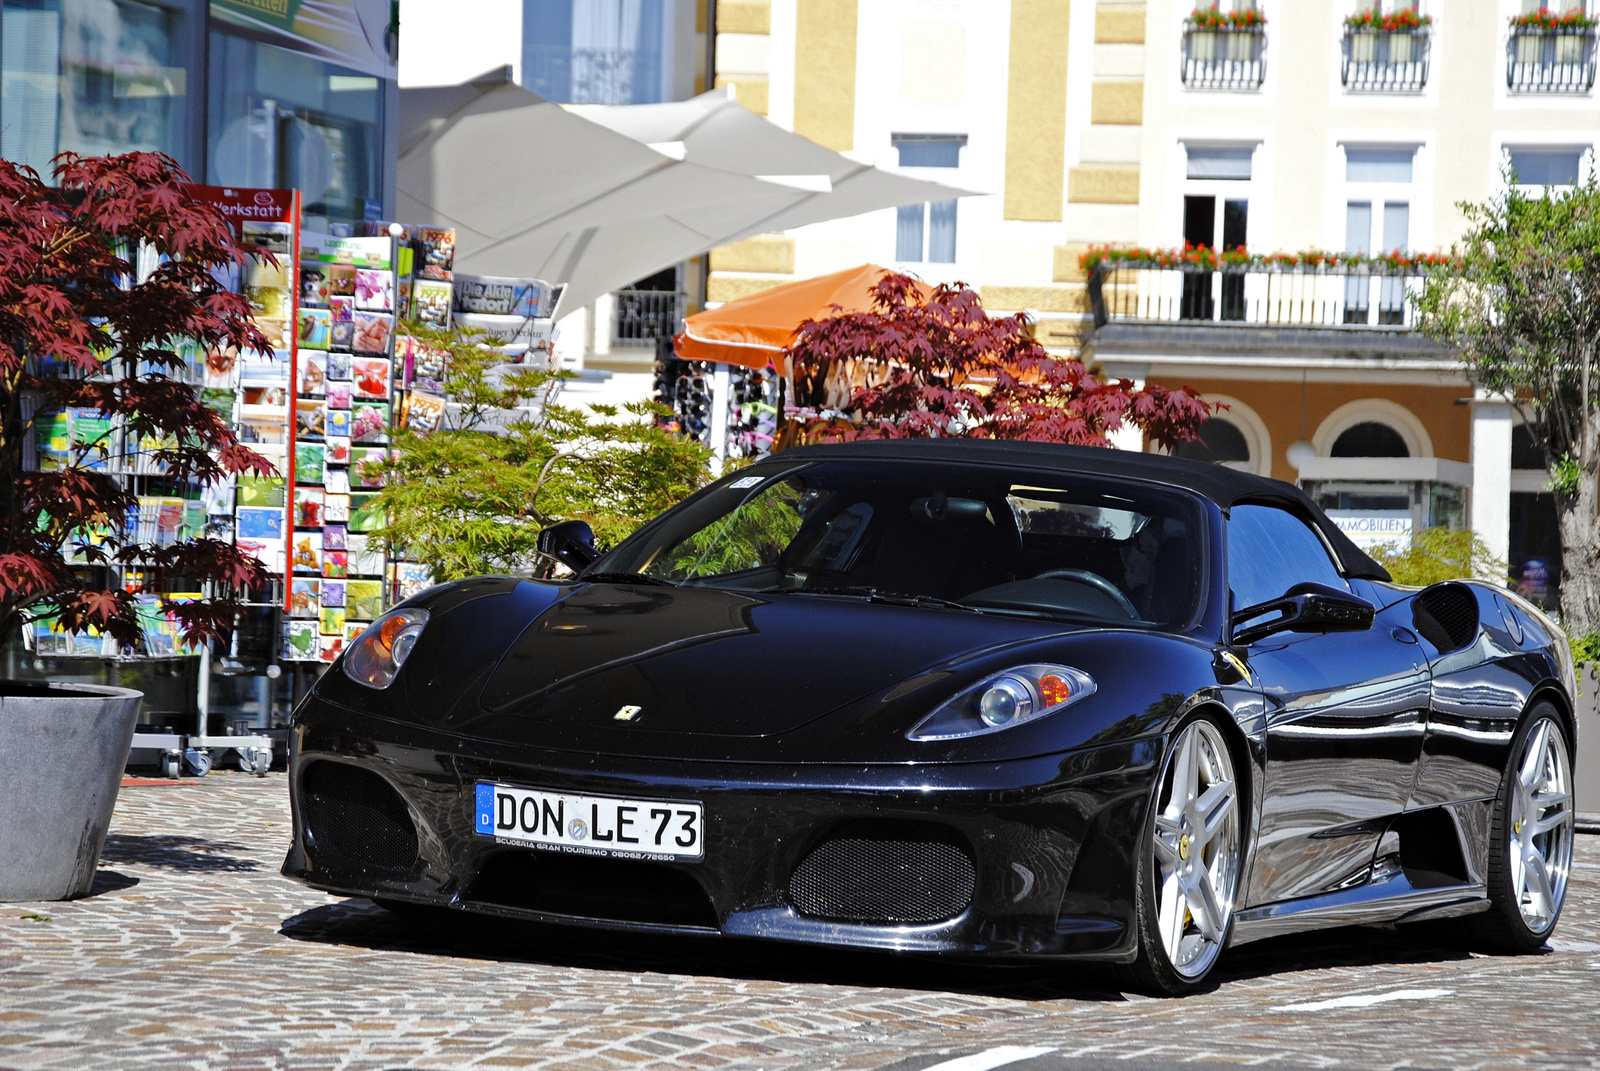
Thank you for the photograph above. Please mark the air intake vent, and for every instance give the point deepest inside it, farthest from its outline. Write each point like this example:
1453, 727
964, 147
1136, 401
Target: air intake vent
354, 814
617, 890
1447, 616
885, 872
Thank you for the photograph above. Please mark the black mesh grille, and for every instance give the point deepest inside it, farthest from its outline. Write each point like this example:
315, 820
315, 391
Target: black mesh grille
1447, 616
885, 872
620, 890
356, 815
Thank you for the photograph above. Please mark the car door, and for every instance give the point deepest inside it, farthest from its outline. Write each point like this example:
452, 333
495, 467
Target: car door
1345, 716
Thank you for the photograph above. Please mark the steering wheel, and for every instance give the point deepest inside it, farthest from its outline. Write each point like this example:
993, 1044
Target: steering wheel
1096, 581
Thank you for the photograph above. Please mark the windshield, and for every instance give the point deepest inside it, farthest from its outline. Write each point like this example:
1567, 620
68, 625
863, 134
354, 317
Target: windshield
984, 538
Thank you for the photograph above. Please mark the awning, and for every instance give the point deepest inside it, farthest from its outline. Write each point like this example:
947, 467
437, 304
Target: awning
590, 198
753, 331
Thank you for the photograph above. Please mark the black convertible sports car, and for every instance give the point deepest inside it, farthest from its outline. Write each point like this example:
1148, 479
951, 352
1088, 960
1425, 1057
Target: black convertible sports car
956, 697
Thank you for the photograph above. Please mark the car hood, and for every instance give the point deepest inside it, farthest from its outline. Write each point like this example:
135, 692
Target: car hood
722, 663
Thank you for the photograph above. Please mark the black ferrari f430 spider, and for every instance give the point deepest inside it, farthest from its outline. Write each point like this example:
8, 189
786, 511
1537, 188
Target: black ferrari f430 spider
956, 697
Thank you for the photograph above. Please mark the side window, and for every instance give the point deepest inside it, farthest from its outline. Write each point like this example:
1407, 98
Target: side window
1270, 551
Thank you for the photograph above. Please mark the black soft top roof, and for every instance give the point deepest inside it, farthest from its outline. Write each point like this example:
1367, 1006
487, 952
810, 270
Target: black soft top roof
1224, 486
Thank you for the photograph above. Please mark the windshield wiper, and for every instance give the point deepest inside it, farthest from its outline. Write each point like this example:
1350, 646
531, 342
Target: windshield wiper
626, 578
891, 598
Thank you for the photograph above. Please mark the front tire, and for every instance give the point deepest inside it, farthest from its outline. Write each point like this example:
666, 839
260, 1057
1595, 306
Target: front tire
1188, 864
1530, 842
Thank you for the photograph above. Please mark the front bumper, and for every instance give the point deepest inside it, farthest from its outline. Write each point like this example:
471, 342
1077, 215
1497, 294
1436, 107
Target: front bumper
1051, 838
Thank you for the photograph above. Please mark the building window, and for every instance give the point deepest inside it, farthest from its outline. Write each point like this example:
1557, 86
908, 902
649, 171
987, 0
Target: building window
1224, 46
1546, 166
1386, 45
90, 76
1548, 52
597, 51
1370, 439
280, 118
1377, 220
927, 231
1220, 443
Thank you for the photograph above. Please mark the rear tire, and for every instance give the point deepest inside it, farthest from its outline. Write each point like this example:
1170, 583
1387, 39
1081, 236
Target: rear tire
1186, 873
1530, 842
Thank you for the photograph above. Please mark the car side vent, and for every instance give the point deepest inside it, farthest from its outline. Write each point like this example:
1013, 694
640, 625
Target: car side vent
357, 816
885, 872
1447, 616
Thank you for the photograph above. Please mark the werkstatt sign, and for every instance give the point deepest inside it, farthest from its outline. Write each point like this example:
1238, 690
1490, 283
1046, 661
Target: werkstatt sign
281, 13
1373, 528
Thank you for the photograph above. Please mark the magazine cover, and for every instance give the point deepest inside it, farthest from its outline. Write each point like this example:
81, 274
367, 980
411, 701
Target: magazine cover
366, 465
369, 377
374, 290
335, 509
338, 423
426, 366
308, 458
371, 333
313, 372
305, 552
300, 641
370, 424
308, 507
272, 237
314, 285
423, 412
310, 418
364, 599
430, 302
338, 451
332, 590
411, 578
315, 325
438, 251
304, 596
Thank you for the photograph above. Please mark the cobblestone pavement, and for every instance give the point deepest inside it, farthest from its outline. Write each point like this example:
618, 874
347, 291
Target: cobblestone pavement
194, 952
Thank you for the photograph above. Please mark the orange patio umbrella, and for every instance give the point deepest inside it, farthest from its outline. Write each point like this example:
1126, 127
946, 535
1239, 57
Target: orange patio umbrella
753, 331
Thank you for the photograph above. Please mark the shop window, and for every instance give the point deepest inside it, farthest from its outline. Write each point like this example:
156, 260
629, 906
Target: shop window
1546, 167
89, 76
1370, 439
280, 118
1220, 442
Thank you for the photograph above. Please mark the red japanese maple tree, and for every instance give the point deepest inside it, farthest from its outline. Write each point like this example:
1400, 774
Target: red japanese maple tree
75, 334
943, 367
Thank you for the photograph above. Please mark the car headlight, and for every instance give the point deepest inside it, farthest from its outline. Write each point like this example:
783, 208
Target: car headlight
379, 652
1013, 697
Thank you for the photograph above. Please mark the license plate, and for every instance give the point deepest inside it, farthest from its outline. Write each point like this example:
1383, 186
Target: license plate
591, 825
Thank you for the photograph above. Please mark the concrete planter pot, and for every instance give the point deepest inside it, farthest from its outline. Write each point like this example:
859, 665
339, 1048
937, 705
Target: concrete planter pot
1586, 770
62, 752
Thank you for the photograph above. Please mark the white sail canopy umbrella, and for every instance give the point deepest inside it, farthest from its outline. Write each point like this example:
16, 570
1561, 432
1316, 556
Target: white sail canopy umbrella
591, 199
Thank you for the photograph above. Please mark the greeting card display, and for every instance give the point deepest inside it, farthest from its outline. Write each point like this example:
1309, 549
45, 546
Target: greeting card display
305, 599
370, 423
369, 378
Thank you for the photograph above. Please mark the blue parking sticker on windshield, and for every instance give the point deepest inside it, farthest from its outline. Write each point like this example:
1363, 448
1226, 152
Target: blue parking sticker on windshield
485, 809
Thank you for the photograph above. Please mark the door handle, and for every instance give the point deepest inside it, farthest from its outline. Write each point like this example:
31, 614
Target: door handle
1404, 635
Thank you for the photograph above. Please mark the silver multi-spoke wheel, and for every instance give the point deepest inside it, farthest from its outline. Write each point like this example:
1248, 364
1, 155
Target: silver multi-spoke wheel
1196, 846
1540, 826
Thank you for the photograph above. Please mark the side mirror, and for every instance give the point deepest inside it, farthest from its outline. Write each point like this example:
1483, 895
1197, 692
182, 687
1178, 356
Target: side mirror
1305, 608
571, 543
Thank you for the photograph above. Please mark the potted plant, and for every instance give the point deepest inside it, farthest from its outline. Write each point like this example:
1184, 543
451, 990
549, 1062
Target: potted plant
103, 277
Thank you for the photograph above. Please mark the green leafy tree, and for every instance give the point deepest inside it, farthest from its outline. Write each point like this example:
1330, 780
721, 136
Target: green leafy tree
1437, 554
1521, 302
470, 497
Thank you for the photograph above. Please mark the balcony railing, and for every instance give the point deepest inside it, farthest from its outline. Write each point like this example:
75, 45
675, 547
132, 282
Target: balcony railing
642, 316
1279, 296
1394, 61
1545, 60
1224, 57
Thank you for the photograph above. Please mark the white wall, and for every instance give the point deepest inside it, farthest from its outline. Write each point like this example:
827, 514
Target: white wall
447, 42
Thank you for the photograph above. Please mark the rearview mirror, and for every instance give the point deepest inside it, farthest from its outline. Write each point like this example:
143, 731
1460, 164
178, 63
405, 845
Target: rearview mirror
1305, 608
571, 543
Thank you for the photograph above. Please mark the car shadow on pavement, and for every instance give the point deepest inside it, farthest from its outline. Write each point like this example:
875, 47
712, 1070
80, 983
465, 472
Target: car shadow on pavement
174, 852
109, 881
459, 934
1351, 946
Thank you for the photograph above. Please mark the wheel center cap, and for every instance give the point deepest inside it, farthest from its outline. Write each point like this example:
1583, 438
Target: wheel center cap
1183, 847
